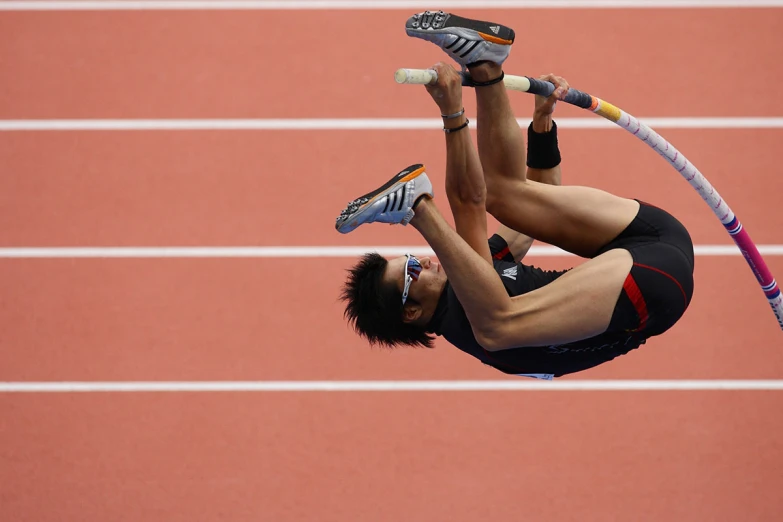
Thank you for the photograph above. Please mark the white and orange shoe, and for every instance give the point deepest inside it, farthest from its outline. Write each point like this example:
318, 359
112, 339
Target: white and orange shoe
392, 203
466, 41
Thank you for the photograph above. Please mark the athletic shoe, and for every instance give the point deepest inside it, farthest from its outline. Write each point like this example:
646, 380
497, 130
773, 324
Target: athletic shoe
392, 203
467, 41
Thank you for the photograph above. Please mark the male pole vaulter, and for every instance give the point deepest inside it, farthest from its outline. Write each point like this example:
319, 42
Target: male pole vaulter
637, 281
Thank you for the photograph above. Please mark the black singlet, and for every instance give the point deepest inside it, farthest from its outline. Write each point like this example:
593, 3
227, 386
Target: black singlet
657, 292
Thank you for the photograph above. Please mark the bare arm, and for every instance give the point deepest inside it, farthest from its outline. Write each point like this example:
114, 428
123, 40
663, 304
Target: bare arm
542, 122
465, 187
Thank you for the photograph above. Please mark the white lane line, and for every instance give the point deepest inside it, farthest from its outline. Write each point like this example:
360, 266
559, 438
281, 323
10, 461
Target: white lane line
523, 384
223, 5
299, 251
361, 124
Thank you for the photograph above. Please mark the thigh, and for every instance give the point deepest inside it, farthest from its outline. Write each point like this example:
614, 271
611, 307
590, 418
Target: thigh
577, 219
577, 305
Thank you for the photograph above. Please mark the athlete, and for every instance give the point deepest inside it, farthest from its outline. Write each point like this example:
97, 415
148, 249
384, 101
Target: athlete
637, 280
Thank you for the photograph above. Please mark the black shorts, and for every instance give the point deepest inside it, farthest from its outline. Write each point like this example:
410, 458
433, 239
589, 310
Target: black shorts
659, 287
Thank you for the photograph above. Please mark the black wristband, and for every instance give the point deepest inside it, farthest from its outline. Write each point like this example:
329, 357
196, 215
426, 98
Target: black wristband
542, 150
455, 129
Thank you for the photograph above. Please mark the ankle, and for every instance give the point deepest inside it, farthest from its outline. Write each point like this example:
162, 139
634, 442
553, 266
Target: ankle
423, 202
485, 71
421, 209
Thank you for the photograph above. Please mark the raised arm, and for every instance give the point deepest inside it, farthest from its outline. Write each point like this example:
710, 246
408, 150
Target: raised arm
465, 187
543, 156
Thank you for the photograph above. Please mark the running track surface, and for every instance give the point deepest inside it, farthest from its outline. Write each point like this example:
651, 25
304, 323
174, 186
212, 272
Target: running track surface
581, 456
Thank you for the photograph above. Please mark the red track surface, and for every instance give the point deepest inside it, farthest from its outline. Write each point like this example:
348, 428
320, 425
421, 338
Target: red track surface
581, 456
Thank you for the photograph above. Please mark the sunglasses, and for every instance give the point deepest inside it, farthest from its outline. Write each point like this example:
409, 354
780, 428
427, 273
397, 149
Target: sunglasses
412, 271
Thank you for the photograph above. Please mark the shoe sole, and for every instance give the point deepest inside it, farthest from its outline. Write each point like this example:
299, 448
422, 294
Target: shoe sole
358, 206
429, 22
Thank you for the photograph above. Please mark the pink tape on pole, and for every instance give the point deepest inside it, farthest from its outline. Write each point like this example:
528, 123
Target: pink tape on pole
718, 205
675, 158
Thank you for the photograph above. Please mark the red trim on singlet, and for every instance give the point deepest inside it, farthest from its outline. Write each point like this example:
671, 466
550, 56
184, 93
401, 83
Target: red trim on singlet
667, 275
502, 253
635, 295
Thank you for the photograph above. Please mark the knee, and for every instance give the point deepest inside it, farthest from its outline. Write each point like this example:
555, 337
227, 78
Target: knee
500, 206
494, 202
502, 193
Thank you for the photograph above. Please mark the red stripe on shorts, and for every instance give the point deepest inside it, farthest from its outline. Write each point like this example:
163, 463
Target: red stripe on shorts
635, 295
502, 253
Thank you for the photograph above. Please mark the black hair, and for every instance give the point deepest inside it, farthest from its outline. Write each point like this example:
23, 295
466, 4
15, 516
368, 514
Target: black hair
374, 307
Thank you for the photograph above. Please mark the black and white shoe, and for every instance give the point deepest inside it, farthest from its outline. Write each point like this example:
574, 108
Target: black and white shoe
466, 41
392, 203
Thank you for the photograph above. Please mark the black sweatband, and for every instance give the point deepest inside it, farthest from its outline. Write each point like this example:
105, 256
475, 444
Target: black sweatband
542, 150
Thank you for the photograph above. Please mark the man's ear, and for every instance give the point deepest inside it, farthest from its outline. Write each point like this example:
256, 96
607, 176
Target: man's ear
411, 312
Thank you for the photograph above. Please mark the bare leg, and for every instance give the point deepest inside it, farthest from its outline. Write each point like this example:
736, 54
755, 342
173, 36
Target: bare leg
577, 307
578, 219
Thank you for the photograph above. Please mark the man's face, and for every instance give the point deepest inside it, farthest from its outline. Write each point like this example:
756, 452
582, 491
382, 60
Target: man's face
429, 285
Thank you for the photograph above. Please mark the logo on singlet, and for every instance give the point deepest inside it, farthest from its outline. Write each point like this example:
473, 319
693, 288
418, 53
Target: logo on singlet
511, 273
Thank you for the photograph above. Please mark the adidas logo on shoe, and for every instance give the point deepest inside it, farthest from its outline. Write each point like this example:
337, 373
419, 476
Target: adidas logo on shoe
466, 41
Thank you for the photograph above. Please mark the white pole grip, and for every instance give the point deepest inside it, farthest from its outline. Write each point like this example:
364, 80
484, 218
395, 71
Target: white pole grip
429, 76
416, 76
